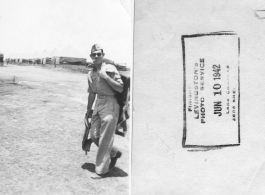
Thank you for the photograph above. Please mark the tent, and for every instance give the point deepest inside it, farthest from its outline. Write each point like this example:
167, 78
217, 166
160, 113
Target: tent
69, 51
43, 54
69, 55
54, 52
50, 55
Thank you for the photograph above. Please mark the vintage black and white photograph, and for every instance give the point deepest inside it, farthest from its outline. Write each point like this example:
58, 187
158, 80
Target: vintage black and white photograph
190, 122
65, 88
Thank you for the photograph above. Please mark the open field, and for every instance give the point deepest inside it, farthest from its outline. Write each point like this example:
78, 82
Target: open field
41, 128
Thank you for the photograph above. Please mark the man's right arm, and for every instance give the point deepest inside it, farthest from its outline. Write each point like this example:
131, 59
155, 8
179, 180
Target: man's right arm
91, 96
91, 99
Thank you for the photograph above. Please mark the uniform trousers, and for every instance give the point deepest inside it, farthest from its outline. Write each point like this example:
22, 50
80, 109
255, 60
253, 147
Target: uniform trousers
103, 126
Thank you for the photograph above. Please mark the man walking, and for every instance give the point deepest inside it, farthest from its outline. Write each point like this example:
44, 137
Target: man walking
104, 81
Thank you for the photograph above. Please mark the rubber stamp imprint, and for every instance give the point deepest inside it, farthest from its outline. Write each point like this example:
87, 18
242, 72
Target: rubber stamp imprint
211, 89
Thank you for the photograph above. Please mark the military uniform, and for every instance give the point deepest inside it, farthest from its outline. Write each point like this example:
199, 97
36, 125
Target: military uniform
105, 116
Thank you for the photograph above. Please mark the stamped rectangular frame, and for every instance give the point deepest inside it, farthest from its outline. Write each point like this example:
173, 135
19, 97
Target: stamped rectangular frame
220, 33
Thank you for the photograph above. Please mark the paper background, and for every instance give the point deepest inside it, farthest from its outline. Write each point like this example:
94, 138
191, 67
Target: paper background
159, 163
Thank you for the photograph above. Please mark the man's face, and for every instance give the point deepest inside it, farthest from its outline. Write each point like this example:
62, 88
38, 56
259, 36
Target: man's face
97, 56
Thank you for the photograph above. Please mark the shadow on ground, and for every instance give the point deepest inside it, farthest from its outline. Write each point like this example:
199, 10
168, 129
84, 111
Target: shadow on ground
114, 172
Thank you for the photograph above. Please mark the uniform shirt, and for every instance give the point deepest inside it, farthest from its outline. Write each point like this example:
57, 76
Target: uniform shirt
99, 85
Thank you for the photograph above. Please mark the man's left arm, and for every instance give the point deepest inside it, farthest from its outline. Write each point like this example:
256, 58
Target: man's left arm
116, 84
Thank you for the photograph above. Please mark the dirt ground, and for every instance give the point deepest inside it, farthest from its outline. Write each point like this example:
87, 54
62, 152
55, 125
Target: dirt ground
41, 128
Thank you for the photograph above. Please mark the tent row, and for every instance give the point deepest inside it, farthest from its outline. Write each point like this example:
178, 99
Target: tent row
68, 55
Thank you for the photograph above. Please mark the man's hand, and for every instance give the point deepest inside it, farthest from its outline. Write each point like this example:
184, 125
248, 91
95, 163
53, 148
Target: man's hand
88, 114
103, 74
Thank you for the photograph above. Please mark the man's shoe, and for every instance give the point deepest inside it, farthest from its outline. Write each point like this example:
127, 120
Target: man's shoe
114, 159
98, 176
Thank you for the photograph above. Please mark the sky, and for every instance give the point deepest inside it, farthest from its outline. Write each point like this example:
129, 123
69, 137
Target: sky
38, 25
